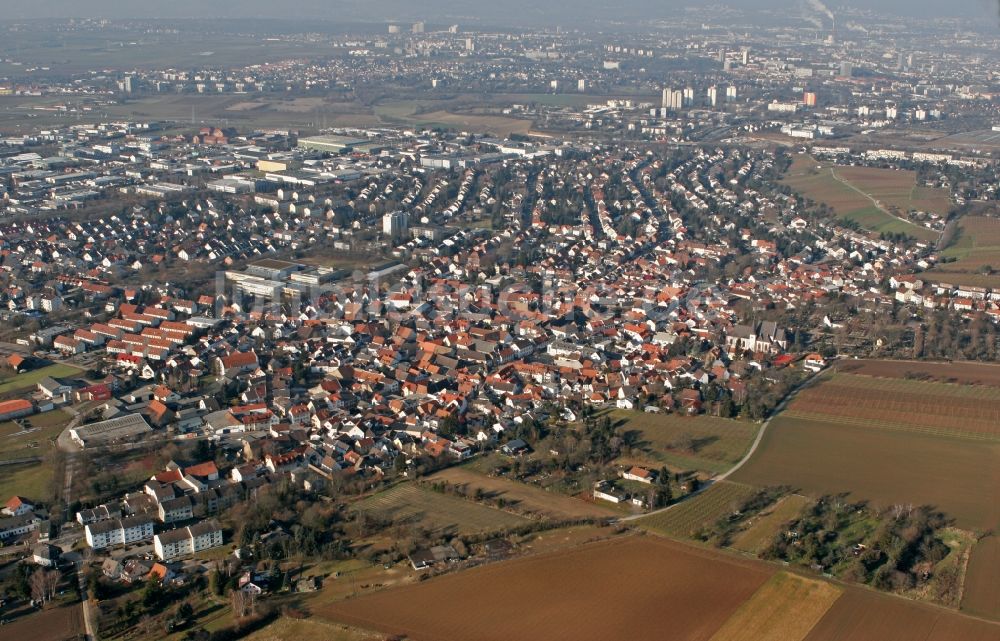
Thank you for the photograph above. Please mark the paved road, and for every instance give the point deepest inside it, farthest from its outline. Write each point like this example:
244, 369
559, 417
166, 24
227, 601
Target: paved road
753, 448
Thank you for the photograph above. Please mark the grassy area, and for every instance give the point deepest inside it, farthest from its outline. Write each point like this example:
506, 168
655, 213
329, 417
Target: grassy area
850, 192
30, 379
521, 497
32, 436
410, 503
313, 629
762, 529
897, 189
690, 443
31, 480
976, 250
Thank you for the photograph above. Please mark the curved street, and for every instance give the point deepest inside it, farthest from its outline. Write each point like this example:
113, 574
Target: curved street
753, 448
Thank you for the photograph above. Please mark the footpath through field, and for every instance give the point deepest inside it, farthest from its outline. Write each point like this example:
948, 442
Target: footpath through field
875, 202
753, 448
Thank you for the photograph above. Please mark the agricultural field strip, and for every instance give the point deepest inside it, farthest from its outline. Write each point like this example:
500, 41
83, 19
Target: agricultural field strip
713, 504
953, 373
860, 421
937, 406
930, 408
982, 590
865, 381
785, 608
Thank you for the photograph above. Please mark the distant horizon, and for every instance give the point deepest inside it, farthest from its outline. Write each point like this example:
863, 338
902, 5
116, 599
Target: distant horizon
521, 12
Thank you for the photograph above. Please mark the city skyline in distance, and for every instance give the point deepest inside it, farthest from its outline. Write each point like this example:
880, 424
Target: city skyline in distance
502, 11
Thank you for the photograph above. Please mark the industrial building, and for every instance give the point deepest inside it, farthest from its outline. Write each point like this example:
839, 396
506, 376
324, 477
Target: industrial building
123, 428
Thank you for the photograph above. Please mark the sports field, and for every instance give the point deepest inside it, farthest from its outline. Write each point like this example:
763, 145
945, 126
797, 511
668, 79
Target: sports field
876, 199
31, 480
32, 436
695, 443
686, 518
410, 503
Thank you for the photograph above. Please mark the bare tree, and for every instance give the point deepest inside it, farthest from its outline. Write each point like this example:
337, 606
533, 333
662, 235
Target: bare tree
146, 624
243, 602
51, 581
37, 583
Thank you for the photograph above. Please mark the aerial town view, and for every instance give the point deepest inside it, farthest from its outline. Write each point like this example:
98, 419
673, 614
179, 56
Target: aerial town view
499, 321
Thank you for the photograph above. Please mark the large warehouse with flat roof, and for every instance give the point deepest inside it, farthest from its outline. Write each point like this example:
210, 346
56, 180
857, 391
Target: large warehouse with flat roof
331, 144
123, 428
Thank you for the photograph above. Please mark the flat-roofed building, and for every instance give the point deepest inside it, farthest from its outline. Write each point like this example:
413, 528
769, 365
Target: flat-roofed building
330, 144
123, 428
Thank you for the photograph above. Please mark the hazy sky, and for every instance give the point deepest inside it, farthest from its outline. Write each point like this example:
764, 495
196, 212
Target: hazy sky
521, 11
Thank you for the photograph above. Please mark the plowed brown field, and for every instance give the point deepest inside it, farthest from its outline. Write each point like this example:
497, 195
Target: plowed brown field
56, 624
963, 373
982, 584
905, 405
862, 615
629, 588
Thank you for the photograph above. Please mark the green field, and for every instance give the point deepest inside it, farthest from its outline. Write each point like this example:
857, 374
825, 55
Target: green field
34, 441
690, 443
851, 193
30, 379
686, 518
30, 480
411, 504
976, 250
